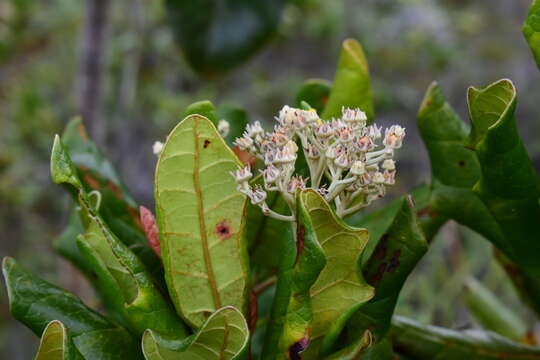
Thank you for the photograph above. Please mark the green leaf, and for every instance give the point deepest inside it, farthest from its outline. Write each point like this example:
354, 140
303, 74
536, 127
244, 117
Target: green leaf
120, 277
353, 351
36, 303
531, 30
66, 245
204, 108
351, 87
315, 92
509, 186
434, 343
339, 290
201, 216
302, 260
117, 207
216, 36
224, 335
397, 252
124, 283
56, 344
491, 313
455, 167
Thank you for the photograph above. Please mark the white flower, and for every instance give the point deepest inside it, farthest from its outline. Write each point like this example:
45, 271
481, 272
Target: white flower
254, 129
393, 137
354, 115
358, 168
378, 178
312, 152
331, 153
242, 174
257, 196
244, 142
270, 174
311, 116
223, 128
342, 160
389, 164
157, 147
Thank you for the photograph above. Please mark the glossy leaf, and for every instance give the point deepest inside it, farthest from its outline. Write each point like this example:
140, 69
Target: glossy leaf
531, 30
117, 207
339, 290
315, 92
455, 167
224, 335
302, 260
351, 87
509, 186
36, 303
216, 36
120, 277
435, 343
200, 217
56, 344
491, 313
398, 251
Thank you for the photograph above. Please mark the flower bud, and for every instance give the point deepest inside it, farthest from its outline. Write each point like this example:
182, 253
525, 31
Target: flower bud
389, 164
393, 137
242, 174
342, 160
358, 168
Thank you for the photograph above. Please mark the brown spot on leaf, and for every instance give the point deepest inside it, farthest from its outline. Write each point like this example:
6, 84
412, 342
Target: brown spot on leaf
380, 250
223, 229
461, 163
378, 274
427, 211
394, 261
296, 348
206, 143
300, 234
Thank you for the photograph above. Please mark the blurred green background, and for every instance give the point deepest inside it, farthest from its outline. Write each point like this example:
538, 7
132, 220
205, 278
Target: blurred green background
146, 84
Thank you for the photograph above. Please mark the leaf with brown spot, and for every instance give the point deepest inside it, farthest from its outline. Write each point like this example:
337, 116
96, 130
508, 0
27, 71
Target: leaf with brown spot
201, 219
396, 254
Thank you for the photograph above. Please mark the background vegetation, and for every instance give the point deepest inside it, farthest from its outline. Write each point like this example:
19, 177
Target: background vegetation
147, 83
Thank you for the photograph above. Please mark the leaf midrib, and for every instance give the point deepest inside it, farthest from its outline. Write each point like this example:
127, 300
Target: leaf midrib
202, 225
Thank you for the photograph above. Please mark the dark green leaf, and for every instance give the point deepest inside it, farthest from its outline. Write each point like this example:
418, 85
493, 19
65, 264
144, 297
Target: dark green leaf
117, 207
315, 92
216, 36
302, 260
120, 277
36, 303
509, 186
435, 343
397, 252
204, 108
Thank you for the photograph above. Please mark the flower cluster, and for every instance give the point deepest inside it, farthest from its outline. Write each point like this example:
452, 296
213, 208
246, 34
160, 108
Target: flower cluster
345, 163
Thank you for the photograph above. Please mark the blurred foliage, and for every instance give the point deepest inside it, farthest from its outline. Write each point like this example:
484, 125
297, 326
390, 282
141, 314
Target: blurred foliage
148, 87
